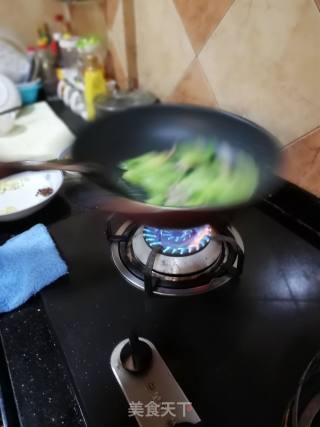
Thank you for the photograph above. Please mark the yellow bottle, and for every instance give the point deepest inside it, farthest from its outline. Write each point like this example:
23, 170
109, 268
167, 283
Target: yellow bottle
94, 84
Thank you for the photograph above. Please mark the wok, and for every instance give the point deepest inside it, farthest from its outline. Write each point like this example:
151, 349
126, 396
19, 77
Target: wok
139, 130
103, 145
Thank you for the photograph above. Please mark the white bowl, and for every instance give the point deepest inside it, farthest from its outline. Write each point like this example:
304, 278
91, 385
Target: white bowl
19, 196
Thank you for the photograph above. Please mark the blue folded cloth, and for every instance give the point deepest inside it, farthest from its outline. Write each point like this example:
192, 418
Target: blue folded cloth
28, 262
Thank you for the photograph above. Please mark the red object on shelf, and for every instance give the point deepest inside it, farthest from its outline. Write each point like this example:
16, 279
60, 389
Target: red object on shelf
54, 48
31, 49
59, 18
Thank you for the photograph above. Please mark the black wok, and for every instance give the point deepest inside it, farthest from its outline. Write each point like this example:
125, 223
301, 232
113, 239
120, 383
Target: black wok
139, 130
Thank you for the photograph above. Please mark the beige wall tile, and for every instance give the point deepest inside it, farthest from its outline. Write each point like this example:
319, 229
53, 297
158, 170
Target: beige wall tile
23, 18
116, 34
164, 50
193, 88
263, 62
88, 18
302, 162
111, 7
201, 17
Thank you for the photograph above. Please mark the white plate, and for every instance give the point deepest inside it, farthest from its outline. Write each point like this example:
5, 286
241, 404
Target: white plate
9, 98
19, 195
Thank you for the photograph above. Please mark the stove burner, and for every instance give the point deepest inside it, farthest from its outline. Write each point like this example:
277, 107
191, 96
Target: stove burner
304, 409
178, 242
140, 254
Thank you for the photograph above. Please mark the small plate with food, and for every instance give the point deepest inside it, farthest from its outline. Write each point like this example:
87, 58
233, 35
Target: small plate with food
24, 193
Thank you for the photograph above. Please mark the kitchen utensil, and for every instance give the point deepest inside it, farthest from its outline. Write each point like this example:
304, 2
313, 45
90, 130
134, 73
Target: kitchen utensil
136, 131
11, 110
20, 196
92, 171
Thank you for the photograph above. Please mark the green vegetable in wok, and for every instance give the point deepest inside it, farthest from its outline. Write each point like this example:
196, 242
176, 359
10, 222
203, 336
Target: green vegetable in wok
193, 174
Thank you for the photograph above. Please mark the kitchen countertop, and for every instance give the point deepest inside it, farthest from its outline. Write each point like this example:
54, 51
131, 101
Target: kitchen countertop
35, 383
38, 388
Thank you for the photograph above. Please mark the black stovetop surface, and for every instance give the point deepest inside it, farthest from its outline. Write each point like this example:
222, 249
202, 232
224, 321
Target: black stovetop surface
236, 353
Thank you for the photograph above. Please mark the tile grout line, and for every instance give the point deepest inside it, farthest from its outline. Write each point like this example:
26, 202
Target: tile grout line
215, 29
192, 61
209, 84
204, 45
196, 55
300, 138
182, 77
185, 28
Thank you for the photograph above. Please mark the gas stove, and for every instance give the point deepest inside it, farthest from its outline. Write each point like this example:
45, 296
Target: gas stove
237, 353
176, 262
210, 351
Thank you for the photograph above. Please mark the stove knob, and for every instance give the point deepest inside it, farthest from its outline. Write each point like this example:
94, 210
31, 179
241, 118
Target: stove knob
136, 355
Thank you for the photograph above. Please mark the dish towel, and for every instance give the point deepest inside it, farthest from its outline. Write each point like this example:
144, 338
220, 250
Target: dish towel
28, 262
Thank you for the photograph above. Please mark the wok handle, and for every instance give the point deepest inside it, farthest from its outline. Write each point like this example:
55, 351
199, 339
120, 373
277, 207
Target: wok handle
92, 171
11, 168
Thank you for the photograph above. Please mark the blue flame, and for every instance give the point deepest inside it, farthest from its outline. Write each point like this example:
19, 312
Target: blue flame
178, 242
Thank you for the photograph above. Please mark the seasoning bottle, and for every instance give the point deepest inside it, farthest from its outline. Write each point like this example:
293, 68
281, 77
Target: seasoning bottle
45, 59
94, 84
47, 70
